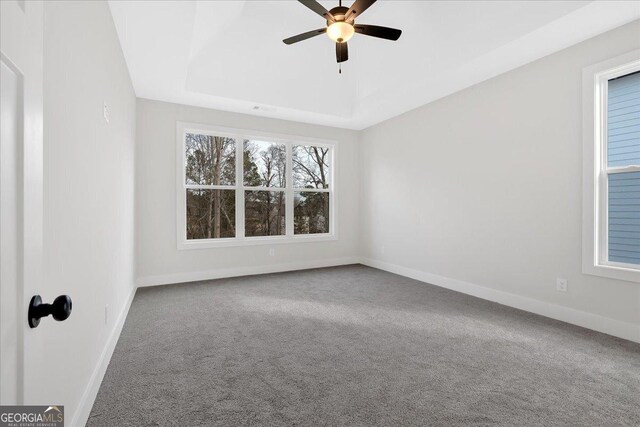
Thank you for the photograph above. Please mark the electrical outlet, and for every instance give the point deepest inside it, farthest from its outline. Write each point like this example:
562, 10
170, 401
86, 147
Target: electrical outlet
106, 314
561, 284
272, 252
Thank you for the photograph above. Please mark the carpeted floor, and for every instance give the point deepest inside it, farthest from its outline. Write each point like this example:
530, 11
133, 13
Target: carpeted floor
357, 346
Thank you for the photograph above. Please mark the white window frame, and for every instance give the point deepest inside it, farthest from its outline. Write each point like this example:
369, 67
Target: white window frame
595, 170
182, 128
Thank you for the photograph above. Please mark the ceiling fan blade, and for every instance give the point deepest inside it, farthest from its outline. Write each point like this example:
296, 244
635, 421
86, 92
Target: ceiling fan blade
357, 8
380, 32
342, 52
304, 36
318, 8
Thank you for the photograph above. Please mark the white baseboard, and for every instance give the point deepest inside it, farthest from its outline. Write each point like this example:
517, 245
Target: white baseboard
626, 330
221, 273
91, 391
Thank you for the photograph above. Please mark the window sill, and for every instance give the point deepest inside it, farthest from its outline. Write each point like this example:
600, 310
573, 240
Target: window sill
253, 241
618, 272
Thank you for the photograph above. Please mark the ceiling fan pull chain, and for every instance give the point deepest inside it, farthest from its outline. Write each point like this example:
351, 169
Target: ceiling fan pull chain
340, 68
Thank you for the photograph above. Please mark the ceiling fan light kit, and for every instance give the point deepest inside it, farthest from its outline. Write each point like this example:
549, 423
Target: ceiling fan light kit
341, 26
340, 32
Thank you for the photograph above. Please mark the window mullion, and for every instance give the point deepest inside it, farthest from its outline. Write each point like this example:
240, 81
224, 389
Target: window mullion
289, 191
209, 187
264, 189
239, 187
312, 190
623, 169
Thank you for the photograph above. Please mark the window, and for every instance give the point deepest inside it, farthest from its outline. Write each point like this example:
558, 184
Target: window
311, 184
611, 226
209, 180
265, 181
239, 187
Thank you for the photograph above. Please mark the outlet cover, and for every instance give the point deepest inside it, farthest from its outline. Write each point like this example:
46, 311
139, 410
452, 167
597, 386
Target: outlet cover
561, 284
105, 112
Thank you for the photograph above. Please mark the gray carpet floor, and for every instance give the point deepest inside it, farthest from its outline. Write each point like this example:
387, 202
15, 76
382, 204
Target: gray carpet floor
360, 347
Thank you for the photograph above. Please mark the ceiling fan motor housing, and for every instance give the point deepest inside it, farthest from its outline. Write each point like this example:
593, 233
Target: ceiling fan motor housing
339, 13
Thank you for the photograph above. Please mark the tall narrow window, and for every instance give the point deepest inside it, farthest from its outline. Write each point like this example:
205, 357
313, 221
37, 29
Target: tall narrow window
241, 187
265, 169
611, 216
311, 185
210, 179
623, 168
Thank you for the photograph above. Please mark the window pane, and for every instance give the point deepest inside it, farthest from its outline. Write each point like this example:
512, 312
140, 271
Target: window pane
624, 217
311, 212
264, 164
211, 214
310, 166
264, 213
210, 160
623, 121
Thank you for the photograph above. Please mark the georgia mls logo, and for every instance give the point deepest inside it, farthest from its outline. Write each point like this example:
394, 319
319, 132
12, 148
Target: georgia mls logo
32, 416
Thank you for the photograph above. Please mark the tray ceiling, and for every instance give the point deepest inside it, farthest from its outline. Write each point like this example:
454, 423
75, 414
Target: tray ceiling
229, 55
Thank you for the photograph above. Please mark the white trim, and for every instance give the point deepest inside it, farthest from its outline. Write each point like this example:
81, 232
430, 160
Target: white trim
618, 328
239, 194
181, 202
289, 195
91, 391
594, 176
255, 241
240, 135
167, 279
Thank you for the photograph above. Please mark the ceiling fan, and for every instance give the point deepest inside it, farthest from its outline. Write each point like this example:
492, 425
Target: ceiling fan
341, 26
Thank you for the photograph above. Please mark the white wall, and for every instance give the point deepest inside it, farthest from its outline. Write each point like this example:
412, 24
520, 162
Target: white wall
484, 187
88, 196
158, 260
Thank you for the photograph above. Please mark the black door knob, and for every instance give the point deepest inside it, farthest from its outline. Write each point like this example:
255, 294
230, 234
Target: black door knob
59, 310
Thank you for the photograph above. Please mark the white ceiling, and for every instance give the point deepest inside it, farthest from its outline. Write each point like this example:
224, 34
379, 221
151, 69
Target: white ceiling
229, 55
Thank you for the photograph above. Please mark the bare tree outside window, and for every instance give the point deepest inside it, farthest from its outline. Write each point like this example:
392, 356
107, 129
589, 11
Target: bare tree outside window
210, 162
310, 167
265, 213
235, 186
311, 172
265, 166
211, 214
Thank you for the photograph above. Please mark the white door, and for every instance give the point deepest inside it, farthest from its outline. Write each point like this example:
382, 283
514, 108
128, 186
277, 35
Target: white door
21, 171
9, 287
